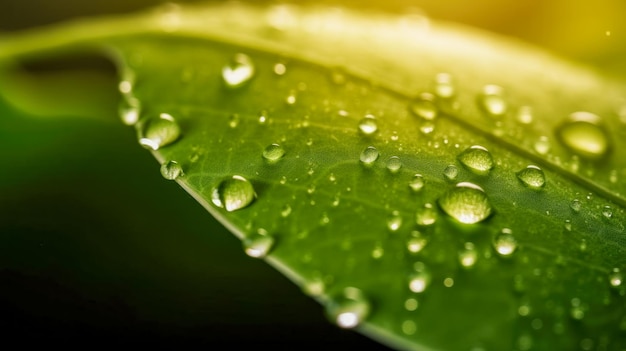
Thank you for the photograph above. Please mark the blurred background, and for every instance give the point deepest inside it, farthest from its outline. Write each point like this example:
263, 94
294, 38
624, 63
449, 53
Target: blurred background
95, 246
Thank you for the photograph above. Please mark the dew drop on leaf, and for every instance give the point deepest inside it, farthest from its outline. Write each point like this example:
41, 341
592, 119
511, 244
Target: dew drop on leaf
417, 183
424, 106
584, 135
314, 286
394, 164
532, 177
369, 155
616, 278
129, 110
368, 125
409, 327
467, 203
349, 309
280, 69
525, 115
492, 101
420, 279
416, 242
233, 193
444, 86
607, 212
451, 172
171, 170
426, 215
477, 159
394, 222
505, 243
285, 211
272, 153
542, 145
259, 244
233, 120
576, 205
238, 71
411, 304
468, 255
158, 132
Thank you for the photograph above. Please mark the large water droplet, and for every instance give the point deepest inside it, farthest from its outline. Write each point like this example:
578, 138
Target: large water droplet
492, 101
159, 132
532, 177
171, 170
233, 193
369, 155
505, 243
394, 164
350, 309
424, 106
238, 71
272, 153
477, 159
368, 125
584, 134
417, 183
467, 203
258, 245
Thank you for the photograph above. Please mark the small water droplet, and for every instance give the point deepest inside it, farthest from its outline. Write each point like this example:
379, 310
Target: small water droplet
576, 205
468, 255
416, 242
584, 134
505, 243
532, 177
451, 172
411, 304
420, 279
616, 278
492, 101
280, 69
285, 211
409, 327
233, 120
378, 251
427, 128
394, 222
542, 145
272, 153
171, 170
314, 286
159, 132
448, 282
424, 106
291, 98
338, 76
467, 203
568, 225
525, 115
394, 164
349, 309
258, 245
577, 310
368, 125
607, 212
125, 86
425, 216
238, 71
129, 110
263, 117
369, 155
477, 159
417, 183
233, 193
444, 86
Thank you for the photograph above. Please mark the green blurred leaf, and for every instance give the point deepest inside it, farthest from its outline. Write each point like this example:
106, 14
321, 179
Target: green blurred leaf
336, 226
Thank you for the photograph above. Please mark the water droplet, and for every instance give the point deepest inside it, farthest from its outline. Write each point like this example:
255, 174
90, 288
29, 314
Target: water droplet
394, 164
409, 327
378, 251
492, 101
233, 120
607, 212
159, 132
419, 280
125, 86
416, 242
238, 71
578, 310
280, 69
129, 110
424, 106
171, 170
368, 125
477, 159
616, 278
314, 286
525, 115
427, 128
417, 183
448, 282
542, 145
285, 211
451, 172
394, 222
411, 304
568, 225
350, 309
259, 244
575, 205
369, 155
505, 243
427, 215
444, 86
532, 177
467, 203
263, 117
272, 153
468, 255
338, 76
291, 98
584, 134
233, 193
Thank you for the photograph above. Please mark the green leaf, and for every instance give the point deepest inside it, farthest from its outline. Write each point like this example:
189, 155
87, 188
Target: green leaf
302, 129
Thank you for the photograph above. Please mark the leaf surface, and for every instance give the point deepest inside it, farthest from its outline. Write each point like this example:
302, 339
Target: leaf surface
541, 266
